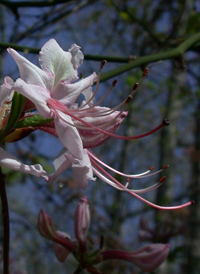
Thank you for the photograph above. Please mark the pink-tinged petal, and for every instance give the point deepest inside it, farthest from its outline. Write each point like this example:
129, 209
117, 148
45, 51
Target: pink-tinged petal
82, 223
9, 161
62, 162
68, 135
30, 73
57, 62
147, 258
77, 56
68, 93
60, 251
5, 91
93, 138
82, 170
37, 94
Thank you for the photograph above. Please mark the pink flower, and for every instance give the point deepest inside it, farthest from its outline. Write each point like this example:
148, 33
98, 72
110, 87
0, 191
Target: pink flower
7, 160
147, 258
54, 94
51, 87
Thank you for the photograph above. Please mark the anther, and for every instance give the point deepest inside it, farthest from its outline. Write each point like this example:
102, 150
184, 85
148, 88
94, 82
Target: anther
192, 202
114, 82
151, 168
146, 72
166, 166
162, 179
128, 180
129, 98
135, 86
166, 122
102, 64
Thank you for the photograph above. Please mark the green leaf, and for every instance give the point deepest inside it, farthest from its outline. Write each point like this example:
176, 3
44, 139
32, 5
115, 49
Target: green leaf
18, 103
33, 121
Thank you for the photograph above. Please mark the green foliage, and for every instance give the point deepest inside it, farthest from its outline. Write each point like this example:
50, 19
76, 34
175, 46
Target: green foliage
33, 121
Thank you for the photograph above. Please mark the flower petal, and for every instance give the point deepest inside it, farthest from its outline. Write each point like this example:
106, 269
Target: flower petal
61, 163
92, 138
5, 91
57, 62
68, 93
82, 170
30, 73
37, 94
9, 161
68, 135
77, 56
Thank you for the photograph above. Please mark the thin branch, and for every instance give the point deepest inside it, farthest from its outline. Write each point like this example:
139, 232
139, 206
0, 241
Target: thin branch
6, 225
144, 60
24, 4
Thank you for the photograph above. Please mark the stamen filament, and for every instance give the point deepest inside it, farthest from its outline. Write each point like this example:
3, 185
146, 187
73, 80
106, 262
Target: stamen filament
139, 197
97, 84
116, 171
57, 106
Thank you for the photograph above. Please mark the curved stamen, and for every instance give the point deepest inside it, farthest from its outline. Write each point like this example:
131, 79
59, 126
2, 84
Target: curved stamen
97, 84
139, 191
139, 197
118, 172
58, 106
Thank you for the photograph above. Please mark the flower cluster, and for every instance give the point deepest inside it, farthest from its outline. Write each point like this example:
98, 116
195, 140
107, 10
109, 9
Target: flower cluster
148, 258
53, 91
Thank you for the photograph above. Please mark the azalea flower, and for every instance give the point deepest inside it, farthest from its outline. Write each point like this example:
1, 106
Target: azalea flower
7, 160
54, 93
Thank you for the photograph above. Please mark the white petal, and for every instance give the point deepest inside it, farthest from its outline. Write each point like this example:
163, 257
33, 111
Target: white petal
77, 56
57, 62
5, 91
68, 135
82, 171
61, 163
30, 73
68, 93
9, 161
37, 94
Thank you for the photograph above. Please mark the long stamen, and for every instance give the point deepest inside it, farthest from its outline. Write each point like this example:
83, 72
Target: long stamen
57, 106
140, 191
118, 172
97, 84
139, 197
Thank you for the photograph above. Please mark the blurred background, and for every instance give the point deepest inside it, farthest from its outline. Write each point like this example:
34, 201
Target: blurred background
128, 29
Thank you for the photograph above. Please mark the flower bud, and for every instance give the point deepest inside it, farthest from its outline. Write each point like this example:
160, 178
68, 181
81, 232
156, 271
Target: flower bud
47, 230
147, 258
45, 226
60, 251
82, 223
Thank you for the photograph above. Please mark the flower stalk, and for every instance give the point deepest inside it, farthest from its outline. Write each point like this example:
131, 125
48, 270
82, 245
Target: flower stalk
6, 224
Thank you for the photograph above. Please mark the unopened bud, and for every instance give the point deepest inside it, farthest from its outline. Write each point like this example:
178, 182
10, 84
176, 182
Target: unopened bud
82, 223
45, 226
